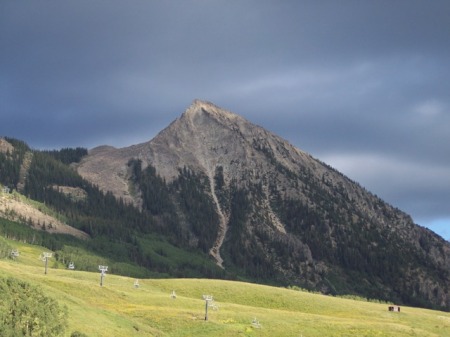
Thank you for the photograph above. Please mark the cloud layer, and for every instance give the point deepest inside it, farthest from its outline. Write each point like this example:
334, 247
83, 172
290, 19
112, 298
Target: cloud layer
362, 86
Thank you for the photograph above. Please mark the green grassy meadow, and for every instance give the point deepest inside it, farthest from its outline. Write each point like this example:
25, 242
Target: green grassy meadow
120, 309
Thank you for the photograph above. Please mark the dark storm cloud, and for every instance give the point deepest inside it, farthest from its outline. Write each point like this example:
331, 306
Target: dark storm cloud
361, 85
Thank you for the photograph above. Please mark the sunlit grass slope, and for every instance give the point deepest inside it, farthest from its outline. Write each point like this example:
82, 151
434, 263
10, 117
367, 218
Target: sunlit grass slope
120, 309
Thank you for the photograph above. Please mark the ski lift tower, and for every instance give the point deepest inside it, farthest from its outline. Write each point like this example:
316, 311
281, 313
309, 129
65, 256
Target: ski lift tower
208, 299
44, 257
14, 254
103, 270
173, 295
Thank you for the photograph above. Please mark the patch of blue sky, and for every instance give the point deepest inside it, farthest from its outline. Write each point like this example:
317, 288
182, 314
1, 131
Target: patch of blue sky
441, 227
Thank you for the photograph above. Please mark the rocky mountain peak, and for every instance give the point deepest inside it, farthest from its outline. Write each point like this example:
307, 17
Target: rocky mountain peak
199, 107
276, 206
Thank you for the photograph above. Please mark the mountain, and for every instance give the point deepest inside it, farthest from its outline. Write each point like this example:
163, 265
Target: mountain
215, 196
267, 211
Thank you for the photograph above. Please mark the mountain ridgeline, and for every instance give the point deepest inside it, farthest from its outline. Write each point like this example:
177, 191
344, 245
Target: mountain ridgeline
236, 201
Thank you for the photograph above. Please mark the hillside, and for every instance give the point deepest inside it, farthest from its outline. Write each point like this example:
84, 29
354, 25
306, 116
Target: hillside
17, 208
137, 242
119, 309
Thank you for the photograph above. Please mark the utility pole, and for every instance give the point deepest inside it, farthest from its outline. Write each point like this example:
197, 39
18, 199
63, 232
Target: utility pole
103, 270
44, 257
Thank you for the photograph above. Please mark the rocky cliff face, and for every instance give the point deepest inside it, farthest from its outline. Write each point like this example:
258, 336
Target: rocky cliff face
282, 214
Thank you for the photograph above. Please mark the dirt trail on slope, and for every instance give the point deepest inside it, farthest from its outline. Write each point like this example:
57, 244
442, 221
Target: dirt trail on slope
202, 149
223, 225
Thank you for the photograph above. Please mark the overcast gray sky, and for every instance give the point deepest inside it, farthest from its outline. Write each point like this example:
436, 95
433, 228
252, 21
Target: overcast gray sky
362, 85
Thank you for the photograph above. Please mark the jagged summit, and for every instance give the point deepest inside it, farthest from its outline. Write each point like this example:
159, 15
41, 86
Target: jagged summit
200, 106
203, 115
